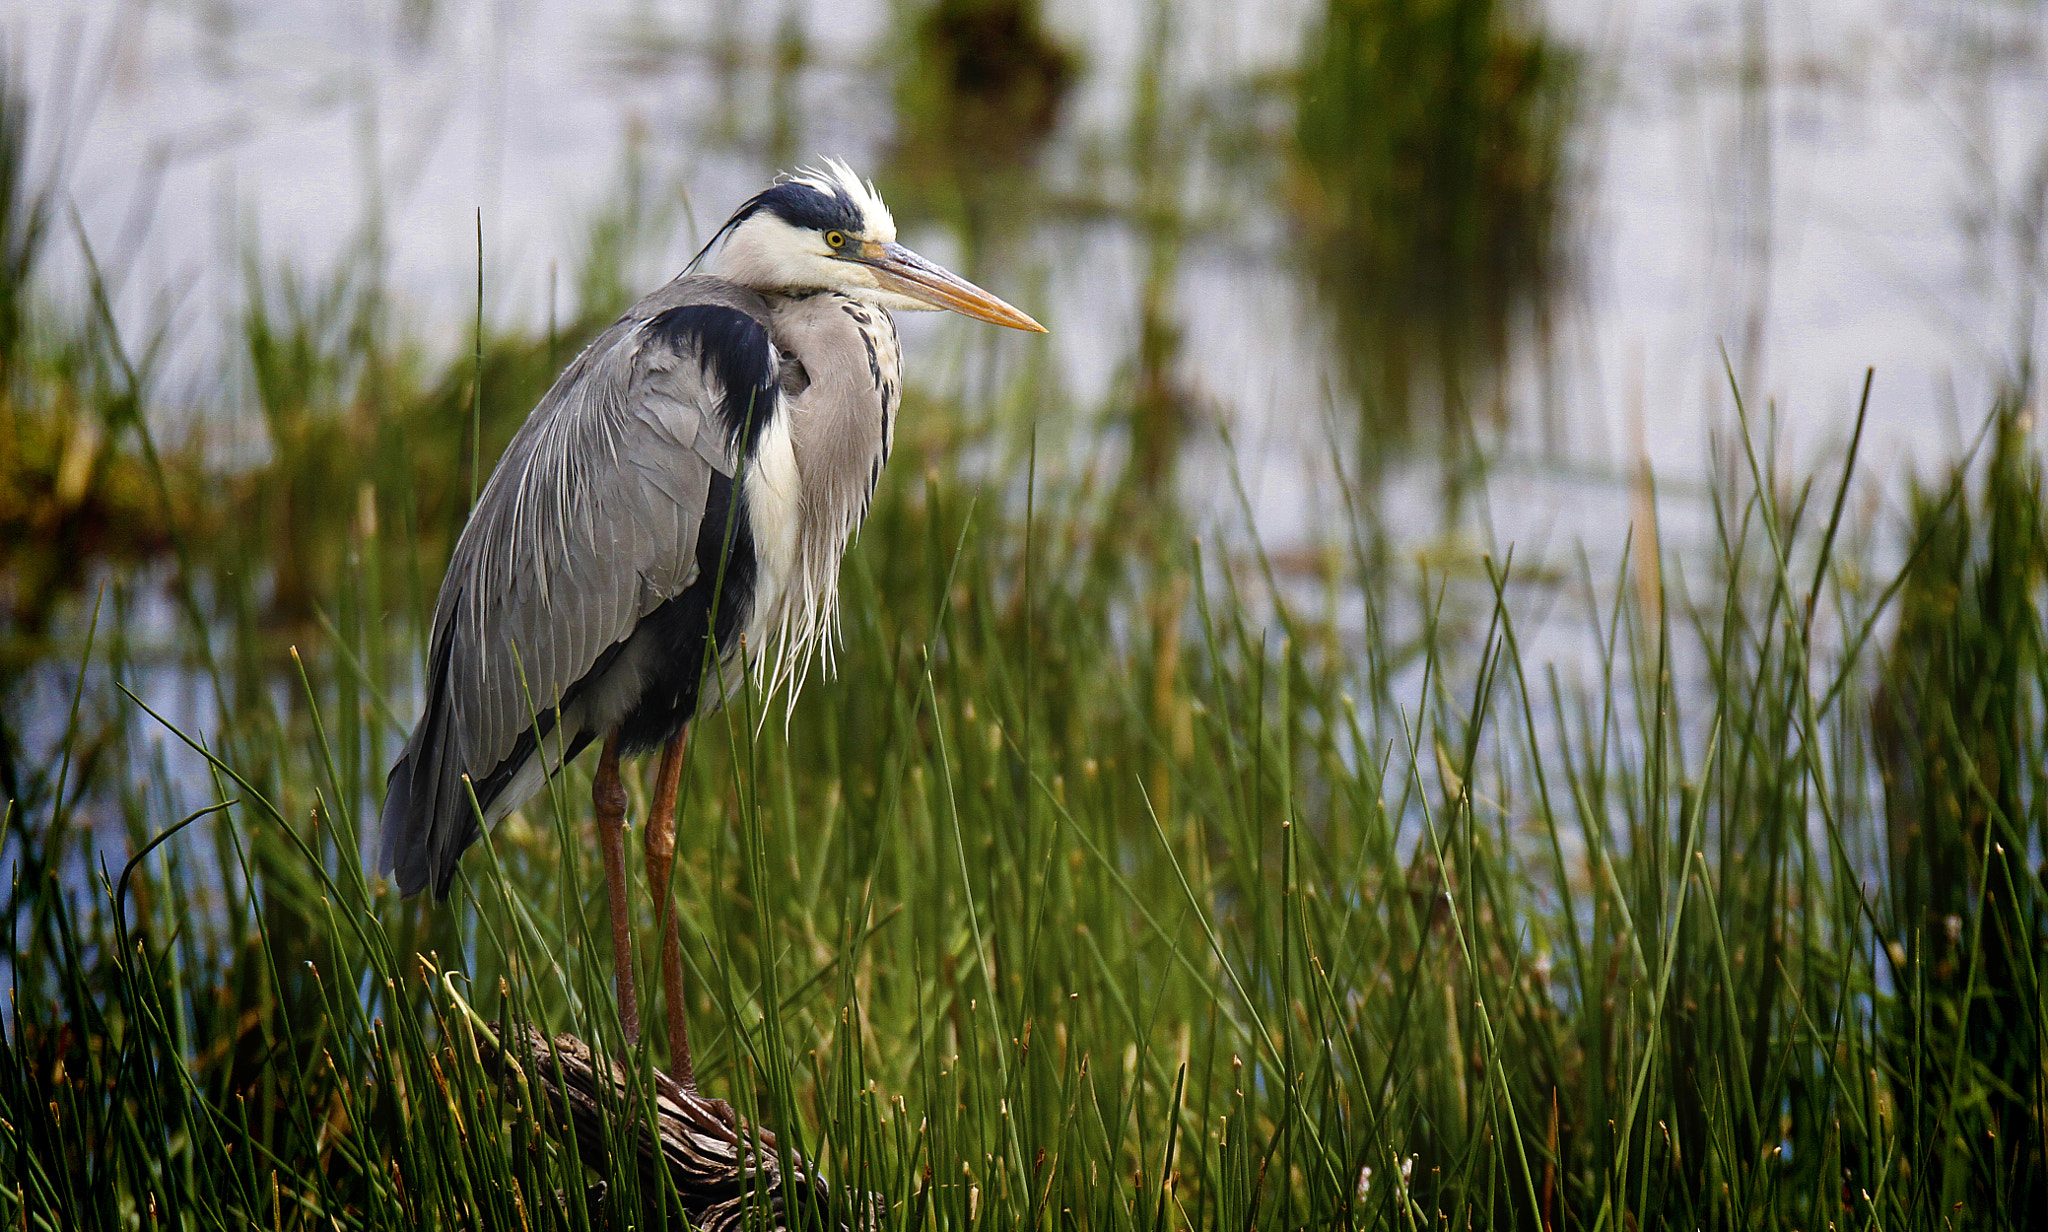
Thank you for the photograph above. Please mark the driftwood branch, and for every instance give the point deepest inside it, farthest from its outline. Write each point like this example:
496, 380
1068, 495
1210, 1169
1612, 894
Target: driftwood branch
723, 1171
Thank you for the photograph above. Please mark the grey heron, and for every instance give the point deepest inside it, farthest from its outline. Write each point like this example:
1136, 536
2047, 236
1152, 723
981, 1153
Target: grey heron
671, 514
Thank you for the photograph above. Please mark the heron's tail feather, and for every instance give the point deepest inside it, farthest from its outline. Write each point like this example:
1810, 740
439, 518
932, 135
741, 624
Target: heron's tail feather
432, 809
428, 818
427, 822
391, 824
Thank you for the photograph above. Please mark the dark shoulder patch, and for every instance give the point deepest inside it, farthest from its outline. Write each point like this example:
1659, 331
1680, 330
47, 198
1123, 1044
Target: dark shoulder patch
733, 351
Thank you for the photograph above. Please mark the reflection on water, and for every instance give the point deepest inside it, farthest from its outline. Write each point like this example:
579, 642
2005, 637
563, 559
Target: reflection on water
978, 93
1427, 180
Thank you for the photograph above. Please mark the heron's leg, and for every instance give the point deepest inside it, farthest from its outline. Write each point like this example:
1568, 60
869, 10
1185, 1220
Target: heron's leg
661, 853
608, 798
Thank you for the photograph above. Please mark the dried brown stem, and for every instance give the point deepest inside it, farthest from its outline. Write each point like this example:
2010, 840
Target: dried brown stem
721, 1169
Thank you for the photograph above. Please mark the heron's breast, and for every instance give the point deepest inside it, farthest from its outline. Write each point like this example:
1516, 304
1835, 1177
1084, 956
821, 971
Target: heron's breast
775, 514
843, 418
816, 468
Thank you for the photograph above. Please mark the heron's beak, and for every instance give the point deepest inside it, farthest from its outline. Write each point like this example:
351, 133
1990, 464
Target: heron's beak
900, 270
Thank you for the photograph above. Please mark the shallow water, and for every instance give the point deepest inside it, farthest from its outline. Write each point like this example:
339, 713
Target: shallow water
1811, 188
1858, 207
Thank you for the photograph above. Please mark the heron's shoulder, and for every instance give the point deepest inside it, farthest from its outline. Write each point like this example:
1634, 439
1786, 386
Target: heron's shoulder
702, 347
726, 329
702, 291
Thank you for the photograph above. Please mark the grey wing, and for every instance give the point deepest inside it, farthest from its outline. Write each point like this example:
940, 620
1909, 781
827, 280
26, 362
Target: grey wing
589, 523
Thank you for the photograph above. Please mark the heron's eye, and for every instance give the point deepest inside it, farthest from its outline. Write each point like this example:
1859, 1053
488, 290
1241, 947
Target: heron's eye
835, 239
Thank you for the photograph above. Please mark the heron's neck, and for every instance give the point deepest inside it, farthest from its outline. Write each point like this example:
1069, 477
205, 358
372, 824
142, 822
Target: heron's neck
744, 254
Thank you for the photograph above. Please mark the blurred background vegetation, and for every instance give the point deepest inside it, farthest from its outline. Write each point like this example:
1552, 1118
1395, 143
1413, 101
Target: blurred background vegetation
1433, 818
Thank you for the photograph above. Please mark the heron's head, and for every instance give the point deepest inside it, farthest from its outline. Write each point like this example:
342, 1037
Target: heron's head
829, 231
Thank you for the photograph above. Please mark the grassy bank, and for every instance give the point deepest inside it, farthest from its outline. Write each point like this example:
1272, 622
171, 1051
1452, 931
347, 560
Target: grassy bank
1111, 882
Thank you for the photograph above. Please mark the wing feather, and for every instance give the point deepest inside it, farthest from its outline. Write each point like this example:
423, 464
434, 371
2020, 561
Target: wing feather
589, 522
